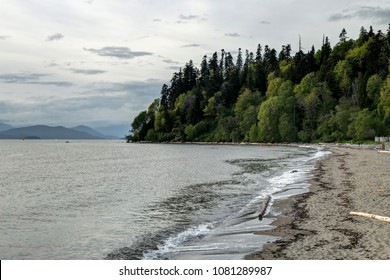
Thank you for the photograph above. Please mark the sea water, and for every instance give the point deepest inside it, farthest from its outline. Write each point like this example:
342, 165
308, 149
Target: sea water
114, 200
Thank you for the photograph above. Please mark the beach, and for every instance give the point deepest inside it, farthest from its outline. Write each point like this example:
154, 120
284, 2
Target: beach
317, 225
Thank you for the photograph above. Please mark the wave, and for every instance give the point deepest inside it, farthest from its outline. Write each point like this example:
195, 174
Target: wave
296, 173
172, 243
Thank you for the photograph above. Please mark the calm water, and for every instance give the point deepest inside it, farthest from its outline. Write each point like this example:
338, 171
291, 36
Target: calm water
112, 200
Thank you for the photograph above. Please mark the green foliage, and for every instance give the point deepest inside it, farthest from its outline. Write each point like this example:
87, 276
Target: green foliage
373, 88
273, 85
287, 129
269, 114
334, 126
365, 126
332, 94
189, 132
211, 110
357, 55
199, 131
140, 126
384, 104
304, 88
254, 134
151, 135
343, 71
227, 130
246, 111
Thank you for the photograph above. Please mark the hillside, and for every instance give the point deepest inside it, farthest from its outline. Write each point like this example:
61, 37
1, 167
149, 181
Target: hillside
45, 132
93, 132
338, 93
4, 126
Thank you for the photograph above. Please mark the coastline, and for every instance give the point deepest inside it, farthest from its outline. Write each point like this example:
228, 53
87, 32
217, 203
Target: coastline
316, 225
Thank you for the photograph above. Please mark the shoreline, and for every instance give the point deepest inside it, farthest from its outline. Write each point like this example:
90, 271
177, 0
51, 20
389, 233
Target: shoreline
316, 225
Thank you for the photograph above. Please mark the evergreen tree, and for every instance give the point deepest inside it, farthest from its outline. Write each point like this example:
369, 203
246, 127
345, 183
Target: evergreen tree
343, 36
239, 62
285, 53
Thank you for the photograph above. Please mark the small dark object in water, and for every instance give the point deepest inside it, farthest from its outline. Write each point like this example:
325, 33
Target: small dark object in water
264, 207
294, 171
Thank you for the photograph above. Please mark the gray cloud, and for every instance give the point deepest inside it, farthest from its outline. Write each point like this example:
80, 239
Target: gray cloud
338, 17
189, 17
153, 80
377, 14
31, 79
170, 61
87, 71
21, 78
4, 37
118, 52
174, 68
264, 22
191, 46
147, 87
54, 37
232, 34
54, 83
52, 64
157, 20
143, 37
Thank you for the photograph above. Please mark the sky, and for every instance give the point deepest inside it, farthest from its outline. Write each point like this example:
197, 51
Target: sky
101, 62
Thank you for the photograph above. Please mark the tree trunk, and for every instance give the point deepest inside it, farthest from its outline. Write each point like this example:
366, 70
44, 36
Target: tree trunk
264, 207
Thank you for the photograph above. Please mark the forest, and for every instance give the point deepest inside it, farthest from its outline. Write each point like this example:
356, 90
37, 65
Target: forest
333, 94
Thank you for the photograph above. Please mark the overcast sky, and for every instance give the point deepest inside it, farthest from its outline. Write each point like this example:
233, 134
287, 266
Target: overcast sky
101, 62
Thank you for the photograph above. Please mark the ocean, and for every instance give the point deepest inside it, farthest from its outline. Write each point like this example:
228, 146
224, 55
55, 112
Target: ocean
115, 200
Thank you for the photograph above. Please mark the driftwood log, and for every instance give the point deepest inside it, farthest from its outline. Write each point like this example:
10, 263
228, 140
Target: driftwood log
264, 207
371, 216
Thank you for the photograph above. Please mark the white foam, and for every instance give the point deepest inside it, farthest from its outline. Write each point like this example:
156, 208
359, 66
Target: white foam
172, 243
297, 172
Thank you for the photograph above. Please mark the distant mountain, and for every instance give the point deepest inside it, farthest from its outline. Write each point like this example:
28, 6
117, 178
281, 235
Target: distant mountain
4, 126
45, 132
93, 132
118, 130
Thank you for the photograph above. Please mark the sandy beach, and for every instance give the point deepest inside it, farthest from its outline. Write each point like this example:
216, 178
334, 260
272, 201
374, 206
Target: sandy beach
317, 225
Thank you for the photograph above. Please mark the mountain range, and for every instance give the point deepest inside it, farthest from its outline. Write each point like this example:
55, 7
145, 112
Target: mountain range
51, 132
4, 126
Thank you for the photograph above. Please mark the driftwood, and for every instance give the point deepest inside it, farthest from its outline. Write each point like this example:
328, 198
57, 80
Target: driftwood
264, 207
371, 216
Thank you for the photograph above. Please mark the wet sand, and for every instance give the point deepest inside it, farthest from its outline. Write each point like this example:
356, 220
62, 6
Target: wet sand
317, 224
